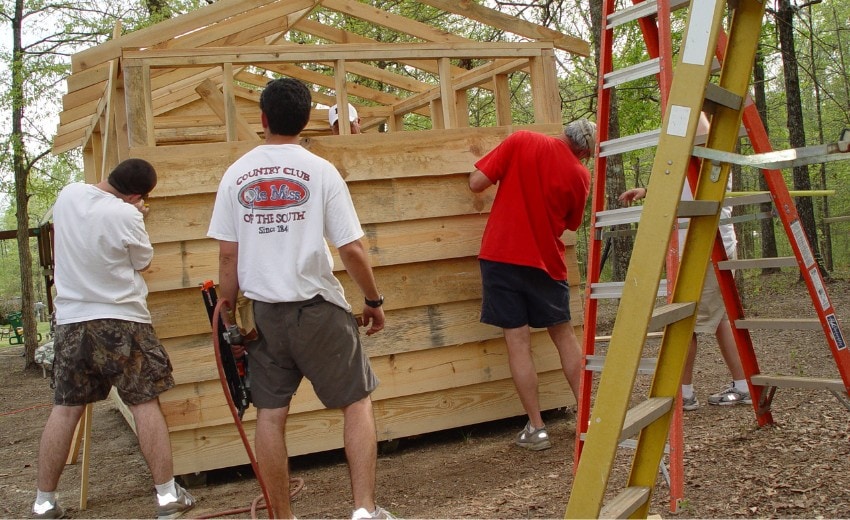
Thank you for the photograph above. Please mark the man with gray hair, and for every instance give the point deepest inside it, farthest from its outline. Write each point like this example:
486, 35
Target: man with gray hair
542, 190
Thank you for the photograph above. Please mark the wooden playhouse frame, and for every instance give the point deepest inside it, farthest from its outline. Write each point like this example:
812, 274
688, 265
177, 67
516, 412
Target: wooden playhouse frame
183, 94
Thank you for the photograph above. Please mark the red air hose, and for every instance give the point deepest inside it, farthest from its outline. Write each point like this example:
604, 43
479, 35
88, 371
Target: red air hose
296, 484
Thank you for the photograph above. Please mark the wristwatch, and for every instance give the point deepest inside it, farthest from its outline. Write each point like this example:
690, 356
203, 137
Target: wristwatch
375, 303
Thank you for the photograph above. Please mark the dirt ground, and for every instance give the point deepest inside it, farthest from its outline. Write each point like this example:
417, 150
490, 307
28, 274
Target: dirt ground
796, 469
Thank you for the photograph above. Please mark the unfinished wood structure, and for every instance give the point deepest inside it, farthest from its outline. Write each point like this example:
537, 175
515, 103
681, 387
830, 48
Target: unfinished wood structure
183, 95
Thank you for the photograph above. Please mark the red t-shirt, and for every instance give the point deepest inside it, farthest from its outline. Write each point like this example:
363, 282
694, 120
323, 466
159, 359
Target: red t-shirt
542, 189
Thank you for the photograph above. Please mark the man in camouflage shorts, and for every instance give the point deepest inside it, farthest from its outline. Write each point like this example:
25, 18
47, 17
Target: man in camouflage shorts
103, 335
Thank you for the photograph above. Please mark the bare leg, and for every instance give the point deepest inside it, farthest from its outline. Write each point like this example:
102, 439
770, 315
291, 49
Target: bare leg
55, 444
688, 374
523, 372
728, 349
154, 442
361, 450
270, 444
564, 337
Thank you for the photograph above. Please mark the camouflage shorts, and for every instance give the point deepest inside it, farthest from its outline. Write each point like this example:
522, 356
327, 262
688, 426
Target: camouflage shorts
93, 356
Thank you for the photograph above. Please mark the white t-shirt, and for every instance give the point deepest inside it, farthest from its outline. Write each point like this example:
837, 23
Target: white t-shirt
100, 243
280, 203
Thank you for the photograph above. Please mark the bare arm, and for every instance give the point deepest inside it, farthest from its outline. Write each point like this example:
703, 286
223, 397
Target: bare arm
356, 262
228, 279
632, 195
479, 182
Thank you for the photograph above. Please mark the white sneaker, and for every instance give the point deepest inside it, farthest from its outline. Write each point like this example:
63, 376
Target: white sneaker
379, 512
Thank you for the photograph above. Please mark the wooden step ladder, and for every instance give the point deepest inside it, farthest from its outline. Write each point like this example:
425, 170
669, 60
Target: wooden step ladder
611, 421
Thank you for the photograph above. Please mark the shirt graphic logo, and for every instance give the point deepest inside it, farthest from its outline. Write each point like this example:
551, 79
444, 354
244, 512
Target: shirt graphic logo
273, 194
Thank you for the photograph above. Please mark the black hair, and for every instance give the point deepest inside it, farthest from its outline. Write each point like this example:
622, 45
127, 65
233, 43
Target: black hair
133, 177
286, 103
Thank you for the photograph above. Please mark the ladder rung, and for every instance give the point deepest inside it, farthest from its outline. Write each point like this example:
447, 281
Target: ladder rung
619, 216
748, 217
811, 383
758, 263
723, 97
631, 214
645, 414
779, 323
698, 208
596, 362
629, 143
671, 313
625, 503
638, 11
611, 290
754, 198
631, 73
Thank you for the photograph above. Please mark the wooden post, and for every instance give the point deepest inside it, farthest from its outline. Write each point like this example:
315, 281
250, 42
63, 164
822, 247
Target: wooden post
447, 93
341, 98
137, 85
82, 435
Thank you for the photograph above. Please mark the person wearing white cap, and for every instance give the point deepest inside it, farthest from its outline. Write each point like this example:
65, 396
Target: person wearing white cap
542, 190
354, 119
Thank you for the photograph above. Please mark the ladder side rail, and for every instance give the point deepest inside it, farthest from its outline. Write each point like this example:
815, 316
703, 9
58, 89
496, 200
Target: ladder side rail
723, 135
594, 253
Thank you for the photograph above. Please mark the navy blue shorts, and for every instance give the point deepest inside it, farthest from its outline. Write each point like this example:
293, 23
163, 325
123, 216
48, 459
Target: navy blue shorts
518, 295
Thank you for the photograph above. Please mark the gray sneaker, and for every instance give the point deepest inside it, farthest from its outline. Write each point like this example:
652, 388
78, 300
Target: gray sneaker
180, 505
379, 512
55, 511
536, 441
689, 404
730, 396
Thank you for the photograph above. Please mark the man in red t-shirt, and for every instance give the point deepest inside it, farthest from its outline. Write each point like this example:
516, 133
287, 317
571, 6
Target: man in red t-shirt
542, 191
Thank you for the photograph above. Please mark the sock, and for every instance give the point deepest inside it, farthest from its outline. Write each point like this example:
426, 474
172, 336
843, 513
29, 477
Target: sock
164, 490
687, 391
44, 501
741, 384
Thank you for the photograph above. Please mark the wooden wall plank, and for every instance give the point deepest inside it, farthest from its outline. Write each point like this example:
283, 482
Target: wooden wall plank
360, 157
221, 447
201, 404
181, 313
185, 264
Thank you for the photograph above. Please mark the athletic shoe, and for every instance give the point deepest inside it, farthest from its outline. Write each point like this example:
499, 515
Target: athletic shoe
730, 396
379, 512
534, 441
177, 507
55, 511
689, 404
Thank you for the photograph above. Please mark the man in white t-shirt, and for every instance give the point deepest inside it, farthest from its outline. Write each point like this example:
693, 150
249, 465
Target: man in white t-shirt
276, 206
103, 335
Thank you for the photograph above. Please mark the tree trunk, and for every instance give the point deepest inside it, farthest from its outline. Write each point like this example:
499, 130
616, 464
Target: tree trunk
21, 169
766, 225
824, 201
796, 131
